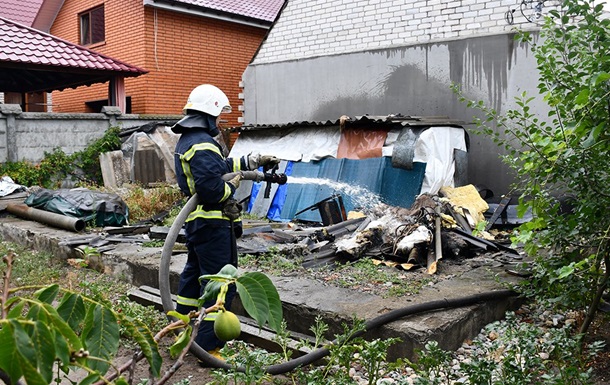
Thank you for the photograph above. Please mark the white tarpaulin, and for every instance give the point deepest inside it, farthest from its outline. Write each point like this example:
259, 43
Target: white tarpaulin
8, 186
435, 148
297, 144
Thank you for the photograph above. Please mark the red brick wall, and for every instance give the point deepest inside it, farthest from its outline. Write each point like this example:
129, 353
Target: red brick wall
180, 52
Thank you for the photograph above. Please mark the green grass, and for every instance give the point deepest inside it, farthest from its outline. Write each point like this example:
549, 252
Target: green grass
359, 275
32, 268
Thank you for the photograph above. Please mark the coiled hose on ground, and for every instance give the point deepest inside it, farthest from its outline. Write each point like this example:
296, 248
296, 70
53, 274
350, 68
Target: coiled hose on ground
309, 358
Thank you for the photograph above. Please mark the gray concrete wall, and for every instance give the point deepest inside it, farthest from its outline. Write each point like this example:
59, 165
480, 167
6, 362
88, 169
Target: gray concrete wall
411, 80
28, 135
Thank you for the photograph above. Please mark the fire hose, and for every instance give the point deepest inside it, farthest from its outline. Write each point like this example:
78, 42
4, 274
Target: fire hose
313, 356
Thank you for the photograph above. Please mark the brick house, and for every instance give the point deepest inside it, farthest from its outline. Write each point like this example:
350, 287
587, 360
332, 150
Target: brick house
181, 43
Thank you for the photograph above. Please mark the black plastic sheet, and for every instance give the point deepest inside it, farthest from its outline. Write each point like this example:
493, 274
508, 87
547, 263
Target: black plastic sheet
102, 209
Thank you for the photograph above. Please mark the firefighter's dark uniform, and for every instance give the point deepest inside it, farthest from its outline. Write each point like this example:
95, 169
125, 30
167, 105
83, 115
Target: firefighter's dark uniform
200, 166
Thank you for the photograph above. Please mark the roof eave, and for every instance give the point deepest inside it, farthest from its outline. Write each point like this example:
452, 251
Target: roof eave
208, 12
46, 15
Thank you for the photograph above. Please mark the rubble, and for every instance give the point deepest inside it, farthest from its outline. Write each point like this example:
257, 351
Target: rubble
405, 238
434, 228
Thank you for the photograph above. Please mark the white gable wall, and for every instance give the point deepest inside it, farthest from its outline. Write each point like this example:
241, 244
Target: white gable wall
327, 58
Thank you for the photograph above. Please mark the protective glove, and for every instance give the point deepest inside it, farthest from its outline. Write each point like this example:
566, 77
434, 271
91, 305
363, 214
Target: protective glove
256, 160
268, 160
235, 181
231, 209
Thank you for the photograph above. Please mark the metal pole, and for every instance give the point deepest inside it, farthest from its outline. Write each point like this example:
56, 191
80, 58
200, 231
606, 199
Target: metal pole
46, 217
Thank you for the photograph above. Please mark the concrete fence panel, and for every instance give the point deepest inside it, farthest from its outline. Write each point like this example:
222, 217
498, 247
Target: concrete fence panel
27, 136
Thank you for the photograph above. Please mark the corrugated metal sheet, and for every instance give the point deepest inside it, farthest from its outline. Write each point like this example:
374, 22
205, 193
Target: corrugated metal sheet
148, 167
365, 121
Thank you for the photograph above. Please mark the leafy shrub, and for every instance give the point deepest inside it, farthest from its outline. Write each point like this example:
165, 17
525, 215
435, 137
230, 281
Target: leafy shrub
56, 166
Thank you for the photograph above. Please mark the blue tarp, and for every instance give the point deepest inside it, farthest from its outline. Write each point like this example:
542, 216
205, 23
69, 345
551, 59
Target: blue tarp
361, 183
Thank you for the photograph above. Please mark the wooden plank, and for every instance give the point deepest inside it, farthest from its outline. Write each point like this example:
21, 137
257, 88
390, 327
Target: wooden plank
498, 211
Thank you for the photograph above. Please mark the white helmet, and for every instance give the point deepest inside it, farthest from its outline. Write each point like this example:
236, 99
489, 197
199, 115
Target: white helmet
209, 99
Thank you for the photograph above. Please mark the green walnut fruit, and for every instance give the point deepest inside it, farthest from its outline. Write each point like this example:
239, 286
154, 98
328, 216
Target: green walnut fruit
227, 326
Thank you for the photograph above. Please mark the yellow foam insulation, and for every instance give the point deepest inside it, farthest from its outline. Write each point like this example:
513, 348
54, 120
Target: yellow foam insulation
355, 214
466, 198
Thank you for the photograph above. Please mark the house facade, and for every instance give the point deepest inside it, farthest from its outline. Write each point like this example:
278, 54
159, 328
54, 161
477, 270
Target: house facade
327, 58
180, 43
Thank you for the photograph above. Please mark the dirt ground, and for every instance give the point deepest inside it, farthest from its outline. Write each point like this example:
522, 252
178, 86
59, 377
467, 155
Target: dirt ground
189, 373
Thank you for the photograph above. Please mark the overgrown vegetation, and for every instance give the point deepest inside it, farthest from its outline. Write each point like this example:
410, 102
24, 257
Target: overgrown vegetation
160, 203
520, 353
48, 330
56, 166
40, 269
565, 153
345, 352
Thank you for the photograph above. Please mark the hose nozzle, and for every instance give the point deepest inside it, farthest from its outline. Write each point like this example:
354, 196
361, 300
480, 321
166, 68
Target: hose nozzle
258, 176
278, 178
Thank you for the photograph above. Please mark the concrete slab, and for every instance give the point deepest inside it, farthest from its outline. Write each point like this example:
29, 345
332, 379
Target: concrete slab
305, 299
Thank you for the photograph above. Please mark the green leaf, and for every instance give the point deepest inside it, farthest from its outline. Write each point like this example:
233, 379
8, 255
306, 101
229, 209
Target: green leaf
121, 381
90, 379
100, 336
146, 341
62, 350
253, 297
45, 350
276, 314
182, 317
181, 342
211, 290
37, 312
582, 98
227, 273
566, 271
27, 355
228, 270
601, 77
594, 135
47, 294
16, 310
72, 310
63, 328
8, 352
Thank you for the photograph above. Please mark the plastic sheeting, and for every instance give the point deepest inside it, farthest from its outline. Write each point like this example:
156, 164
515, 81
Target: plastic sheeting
296, 144
105, 209
361, 144
435, 148
162, 141
8, 186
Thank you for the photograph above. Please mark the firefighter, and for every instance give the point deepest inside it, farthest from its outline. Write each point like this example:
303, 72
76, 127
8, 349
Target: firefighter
212, 228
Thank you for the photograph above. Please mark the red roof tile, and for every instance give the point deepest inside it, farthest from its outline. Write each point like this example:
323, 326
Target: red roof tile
256, 9
22, 44
21, 11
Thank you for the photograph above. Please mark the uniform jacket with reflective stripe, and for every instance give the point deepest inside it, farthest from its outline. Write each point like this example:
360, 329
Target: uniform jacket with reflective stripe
200, 166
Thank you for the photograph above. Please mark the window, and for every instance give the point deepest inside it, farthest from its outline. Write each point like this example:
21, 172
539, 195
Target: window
92, 28
96, 105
